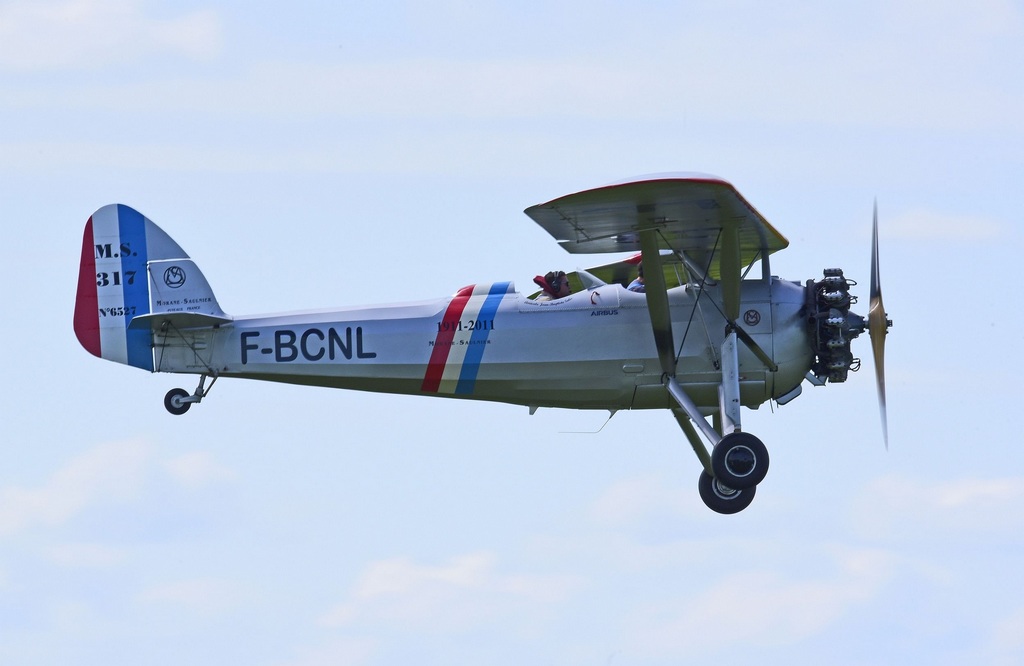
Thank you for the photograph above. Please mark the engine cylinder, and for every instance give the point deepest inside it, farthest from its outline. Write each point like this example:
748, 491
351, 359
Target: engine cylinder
832, 326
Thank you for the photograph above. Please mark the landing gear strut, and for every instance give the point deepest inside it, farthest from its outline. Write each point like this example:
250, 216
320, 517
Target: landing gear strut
736, 464
178, 400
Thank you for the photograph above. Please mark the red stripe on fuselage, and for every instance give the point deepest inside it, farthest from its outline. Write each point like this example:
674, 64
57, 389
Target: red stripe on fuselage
87, 318
443, 341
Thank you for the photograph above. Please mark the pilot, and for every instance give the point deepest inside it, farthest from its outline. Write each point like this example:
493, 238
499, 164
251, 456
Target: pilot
638, 283
555, 285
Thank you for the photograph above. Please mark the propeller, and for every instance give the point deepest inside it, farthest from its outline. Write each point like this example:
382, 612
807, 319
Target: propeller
878, 327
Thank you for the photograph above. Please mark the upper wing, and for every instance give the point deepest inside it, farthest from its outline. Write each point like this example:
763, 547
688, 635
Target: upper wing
694, 214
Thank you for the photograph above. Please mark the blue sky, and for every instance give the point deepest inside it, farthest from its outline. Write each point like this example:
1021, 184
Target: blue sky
345, 153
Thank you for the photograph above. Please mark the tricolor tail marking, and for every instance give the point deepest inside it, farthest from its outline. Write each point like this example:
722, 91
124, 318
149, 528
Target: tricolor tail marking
457, 354
120, 249
113, 287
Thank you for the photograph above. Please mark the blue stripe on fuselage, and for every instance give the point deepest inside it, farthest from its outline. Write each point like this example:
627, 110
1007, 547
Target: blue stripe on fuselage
478, 340
135, 284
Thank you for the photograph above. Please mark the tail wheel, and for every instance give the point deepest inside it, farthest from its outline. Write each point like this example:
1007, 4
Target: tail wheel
740, 460
175, 402
722, 499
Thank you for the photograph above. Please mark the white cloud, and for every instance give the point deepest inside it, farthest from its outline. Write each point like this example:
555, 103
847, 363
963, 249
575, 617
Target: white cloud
929, 226
982, 18
111, 471
84, 555
208, 596
196, 469
535, 87
343, 650
727, 72
632, 499
1007, 640
771, 608
453, 597
88, 34
970, 505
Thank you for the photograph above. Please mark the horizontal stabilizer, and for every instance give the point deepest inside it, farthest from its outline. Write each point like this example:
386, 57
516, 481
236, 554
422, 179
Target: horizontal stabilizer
177, 320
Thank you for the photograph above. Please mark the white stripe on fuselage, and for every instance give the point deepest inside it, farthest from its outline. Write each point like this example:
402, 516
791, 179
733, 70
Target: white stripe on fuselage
460, 343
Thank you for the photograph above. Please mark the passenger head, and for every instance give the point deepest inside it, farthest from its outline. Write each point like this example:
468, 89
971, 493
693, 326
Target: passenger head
558, 283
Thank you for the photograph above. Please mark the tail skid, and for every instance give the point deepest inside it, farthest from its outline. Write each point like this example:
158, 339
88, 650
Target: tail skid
134, 281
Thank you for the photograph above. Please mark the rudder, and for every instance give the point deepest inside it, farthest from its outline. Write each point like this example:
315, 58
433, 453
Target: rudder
122, 251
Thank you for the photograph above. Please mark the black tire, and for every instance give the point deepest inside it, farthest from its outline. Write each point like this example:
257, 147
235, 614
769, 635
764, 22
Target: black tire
740, 460
722, 499
173, 401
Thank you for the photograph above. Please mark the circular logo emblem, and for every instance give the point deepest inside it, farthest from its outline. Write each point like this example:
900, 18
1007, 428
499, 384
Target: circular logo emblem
174, 277
751, 317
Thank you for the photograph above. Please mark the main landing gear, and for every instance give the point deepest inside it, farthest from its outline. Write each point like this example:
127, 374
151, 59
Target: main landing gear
738, 463
178, 400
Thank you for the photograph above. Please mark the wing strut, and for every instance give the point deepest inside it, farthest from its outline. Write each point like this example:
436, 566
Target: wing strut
657, 301
761, 354
729, 389
661, 324
731, 270
732, 280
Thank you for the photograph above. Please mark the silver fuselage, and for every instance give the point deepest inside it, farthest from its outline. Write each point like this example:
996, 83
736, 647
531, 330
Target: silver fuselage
591, 350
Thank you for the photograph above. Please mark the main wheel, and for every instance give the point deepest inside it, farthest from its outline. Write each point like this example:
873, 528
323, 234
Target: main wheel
174, 401
740, 460
723, 499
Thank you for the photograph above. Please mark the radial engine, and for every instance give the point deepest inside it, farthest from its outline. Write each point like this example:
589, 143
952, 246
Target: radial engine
832, 326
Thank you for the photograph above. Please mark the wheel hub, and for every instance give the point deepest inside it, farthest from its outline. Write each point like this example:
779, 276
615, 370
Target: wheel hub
740, 460
725, 492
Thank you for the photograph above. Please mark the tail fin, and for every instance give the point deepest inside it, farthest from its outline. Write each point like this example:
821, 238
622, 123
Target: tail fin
132, 278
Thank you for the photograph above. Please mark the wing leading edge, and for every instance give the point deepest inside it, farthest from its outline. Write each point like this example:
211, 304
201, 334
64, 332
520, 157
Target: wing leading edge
695, 214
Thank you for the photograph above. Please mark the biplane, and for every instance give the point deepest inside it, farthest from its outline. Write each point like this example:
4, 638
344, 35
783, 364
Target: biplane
706, 337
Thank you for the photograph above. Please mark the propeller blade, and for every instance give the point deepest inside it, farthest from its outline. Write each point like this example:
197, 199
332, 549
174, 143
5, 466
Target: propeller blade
878, 327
